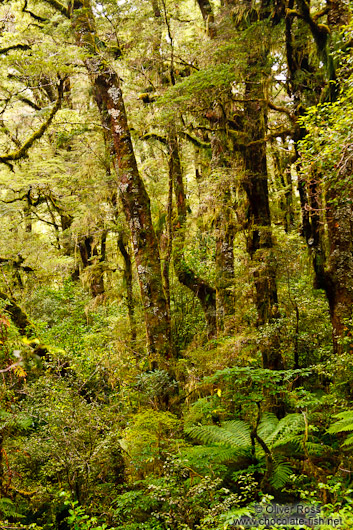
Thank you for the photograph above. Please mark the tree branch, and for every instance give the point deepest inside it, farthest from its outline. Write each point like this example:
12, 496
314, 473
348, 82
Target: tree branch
33, 15
22, 151
154, 136
59, 7
10, 367
272, 106
195, 141
29, 103
14, 47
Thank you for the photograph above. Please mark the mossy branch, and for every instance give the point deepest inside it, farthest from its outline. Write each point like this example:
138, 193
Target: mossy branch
320, 32
321, 13
58, 6
22, 151
30, 103
18, 316
14, 47
33, 15
196, 141
284, 110
241, 137
154, 136
8, 133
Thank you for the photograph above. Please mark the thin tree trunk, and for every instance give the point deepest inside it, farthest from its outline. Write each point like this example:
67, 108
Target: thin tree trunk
128, 285
200, 287
169, 242
208, 16
225, 232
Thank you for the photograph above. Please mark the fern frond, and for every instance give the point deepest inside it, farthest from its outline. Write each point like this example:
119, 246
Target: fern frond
240, 429
348, 440
267, 425
286, 429
293, 440
344, 423
281, 473
316, 449
203, 456
234, 434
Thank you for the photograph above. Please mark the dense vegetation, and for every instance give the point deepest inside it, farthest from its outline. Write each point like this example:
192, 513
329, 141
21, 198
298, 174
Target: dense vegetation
176, 255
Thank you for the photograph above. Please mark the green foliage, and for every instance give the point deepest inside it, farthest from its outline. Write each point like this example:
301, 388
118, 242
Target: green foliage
190, 444
78, 519
344, 424
267, 439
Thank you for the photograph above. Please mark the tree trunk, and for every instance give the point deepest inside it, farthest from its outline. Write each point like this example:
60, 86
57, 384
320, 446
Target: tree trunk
128, 285
331, 251
259, 241
255, 184
135, 200
339, 275
90, 258
200, 287
208, 16
225, 232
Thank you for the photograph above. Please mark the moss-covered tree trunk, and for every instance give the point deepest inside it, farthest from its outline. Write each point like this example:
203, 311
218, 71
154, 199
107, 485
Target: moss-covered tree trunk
339, 275
134, 197
255, 184
225, 233
91, 258
200, 287
326, 214
259, 239
224, 229
124, 251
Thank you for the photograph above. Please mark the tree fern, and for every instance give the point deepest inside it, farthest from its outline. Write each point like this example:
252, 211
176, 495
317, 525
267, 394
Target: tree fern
241, 431
269, 439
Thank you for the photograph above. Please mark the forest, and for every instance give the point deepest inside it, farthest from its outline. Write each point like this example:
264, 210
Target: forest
176, 264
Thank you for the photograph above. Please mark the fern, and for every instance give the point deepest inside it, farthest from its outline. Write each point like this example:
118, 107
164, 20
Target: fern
241, 431
267, 425
271, 433
344, 424
8, 508
281, 473
286, 429
234, 434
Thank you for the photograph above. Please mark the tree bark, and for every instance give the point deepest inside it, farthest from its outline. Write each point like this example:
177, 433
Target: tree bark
128, 285
255, 185
259, 241
208, 16
135, 200
339, 275
91, 258
331, 250
200, 287
225, 232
